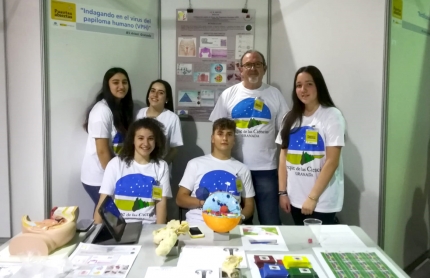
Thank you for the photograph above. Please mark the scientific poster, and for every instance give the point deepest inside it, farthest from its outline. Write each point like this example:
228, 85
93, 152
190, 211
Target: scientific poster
210, 44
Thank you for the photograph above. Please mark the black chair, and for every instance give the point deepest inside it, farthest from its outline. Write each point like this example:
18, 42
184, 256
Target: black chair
182, 212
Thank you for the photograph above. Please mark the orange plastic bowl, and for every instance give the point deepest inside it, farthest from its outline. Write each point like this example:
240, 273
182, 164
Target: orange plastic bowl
220, 224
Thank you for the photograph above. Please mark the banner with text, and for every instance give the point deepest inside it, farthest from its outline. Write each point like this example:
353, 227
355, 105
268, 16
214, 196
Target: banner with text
411, 15
74, 16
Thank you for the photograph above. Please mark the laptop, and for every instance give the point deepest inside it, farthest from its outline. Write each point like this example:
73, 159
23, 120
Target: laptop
114, 229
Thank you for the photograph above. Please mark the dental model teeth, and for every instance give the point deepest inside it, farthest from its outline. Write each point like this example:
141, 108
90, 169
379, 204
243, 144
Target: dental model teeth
166, 237
229, 266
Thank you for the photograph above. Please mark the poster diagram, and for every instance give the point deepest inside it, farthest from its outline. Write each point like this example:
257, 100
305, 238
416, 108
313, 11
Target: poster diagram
262, 238
210, 44
184, 69
243, 44
260, 231
186, 47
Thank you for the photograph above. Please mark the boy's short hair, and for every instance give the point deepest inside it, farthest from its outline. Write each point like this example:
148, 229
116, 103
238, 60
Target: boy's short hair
224, 123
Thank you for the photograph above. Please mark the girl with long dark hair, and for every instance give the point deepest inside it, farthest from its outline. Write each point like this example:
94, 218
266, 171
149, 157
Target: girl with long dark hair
159, 100
310, 162
106, 123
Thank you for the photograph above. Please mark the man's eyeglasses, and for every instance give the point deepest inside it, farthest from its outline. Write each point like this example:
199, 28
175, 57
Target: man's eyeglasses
251, 65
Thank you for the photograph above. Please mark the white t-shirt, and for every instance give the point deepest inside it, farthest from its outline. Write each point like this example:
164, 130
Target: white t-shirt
172, 127
215, 175
256, 127
305, 160
131, 188
100, 125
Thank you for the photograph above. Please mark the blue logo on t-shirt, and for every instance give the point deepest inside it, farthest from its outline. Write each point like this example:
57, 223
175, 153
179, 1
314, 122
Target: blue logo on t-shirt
117, 143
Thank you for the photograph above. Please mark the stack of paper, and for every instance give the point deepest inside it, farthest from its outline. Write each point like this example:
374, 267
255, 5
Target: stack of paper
181, 272
7, 270
262, 238
103, 260
209, 256
333, 236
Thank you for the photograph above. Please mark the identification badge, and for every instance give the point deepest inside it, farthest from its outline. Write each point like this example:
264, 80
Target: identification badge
258, 105
239, 185
157, 192
311, 137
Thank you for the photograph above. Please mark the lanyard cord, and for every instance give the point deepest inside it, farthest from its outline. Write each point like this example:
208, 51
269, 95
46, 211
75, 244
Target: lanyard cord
156, 174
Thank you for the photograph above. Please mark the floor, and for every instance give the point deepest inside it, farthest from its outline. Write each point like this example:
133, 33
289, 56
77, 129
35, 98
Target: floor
423, 271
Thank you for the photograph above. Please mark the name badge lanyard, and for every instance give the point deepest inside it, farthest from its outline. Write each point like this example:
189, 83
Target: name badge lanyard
239, 184
258, 106
157, 191
311, 136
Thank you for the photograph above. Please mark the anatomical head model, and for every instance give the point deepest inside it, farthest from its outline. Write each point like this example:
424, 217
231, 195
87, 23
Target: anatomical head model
43, 237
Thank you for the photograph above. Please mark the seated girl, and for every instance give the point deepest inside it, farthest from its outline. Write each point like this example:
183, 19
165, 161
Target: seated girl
135, 178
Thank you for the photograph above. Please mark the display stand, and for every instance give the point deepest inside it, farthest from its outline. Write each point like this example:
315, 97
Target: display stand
175, 250
237, 274
221, 236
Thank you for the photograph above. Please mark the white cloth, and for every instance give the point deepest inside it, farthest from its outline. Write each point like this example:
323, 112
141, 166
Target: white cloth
255, 130
100, 125
305, 161
215, 175
172, 127
131, 188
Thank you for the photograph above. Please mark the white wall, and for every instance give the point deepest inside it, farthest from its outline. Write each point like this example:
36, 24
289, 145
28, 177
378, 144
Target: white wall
5, 228
345, 40
197, 135
24, 89
77, 63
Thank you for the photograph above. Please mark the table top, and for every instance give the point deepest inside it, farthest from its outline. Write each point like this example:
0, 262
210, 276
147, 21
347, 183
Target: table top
295, 237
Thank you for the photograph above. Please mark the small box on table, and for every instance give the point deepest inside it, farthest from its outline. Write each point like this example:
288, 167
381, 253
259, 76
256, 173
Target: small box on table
274, 271
296, 261
260, 260
302, 272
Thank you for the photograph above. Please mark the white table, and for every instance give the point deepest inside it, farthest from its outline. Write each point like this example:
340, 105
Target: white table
296, 238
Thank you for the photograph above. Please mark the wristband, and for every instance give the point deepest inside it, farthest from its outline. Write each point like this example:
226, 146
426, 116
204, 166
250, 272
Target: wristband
313, 199
283, 193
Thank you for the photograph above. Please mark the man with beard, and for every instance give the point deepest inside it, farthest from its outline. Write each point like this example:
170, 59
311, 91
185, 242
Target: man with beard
258, 110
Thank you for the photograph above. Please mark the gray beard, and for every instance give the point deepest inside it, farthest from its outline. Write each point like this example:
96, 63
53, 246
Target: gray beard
253, 79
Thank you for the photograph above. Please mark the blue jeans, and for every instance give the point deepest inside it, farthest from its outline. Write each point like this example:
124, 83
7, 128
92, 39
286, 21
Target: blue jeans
93, 191
266, 196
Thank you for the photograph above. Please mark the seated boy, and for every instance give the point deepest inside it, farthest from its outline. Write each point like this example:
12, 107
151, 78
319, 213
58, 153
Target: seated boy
217, 171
